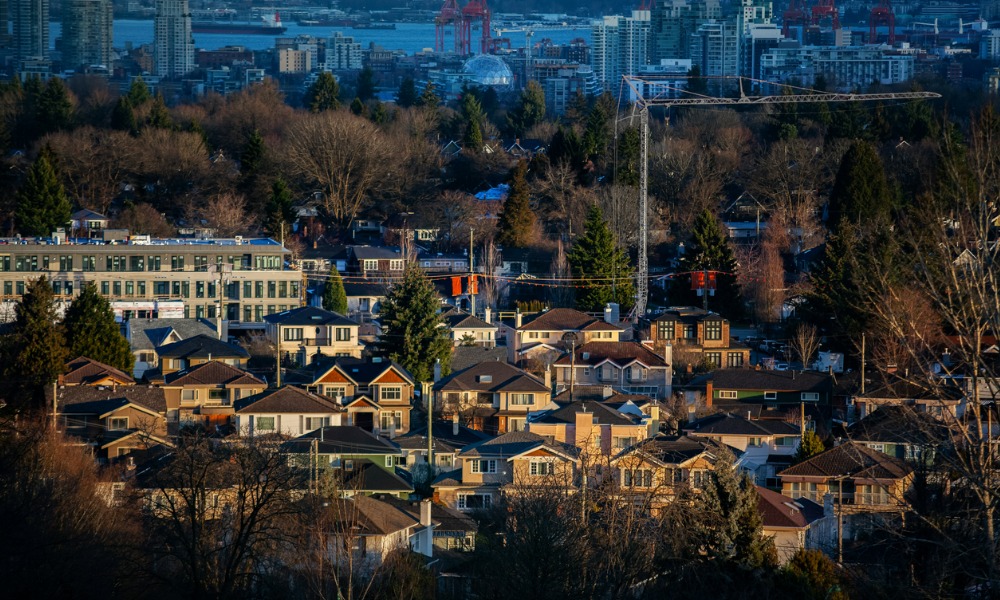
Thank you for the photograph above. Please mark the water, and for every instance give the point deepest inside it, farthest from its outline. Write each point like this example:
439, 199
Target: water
409, 37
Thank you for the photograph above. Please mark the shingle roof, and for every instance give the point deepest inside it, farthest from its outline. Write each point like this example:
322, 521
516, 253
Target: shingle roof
686, 314
764, 380
899, 425
730, 424
309, 315
892, 385
780, 511
343, 439
514, 443
850, 459
365, 289
503, 377
85, 371
463, 357
287, 399
100, 399
620, 353
148, 334
369, 478
444, 432
444, 518
566, 319
673, 450
566, 413
361, 370
202, 346
370, 516
375, 252
212, 373
460, 320
448, 478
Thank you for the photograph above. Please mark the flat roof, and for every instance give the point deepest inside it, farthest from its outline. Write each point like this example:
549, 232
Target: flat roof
142, 242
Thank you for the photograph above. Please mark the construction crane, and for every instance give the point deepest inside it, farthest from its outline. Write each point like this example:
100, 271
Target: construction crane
666, 94
882, 14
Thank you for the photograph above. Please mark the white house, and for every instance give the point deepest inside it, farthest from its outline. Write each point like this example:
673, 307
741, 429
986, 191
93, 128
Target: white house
287, 411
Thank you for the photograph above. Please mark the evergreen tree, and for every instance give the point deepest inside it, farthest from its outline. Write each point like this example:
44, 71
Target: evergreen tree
36, 349
567, 147
429, 98
696, 84
604, 267
516, 227
366, 84
530, 109
861, 193
323, 94
334, 296
123, 115
709, 250
42, 205
280, 210
473, 139
597, 134
380, 114
835, 304
159, 116
138, 93
407, 95
412, 331
358, 107
91, 331
472, 114
577, 109
53, 109
627, 172
253, 154
811, 446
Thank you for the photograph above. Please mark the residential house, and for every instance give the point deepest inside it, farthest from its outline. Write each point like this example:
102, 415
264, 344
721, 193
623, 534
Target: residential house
745, 219
593, 427
786, 521
288, 410
453, 530
360, 462
86, 222
86, 371
146, 336
656, 470
494, 397
463, 357
767, 446
206, 392
376, 393
375, 262
302, 334
409, 226
516, 462
698, 337
855, 477
440, 262
734, 389
627, 367
469, 330
555, 331
448, 438
116, 421
903, 432
193, 351
938, 398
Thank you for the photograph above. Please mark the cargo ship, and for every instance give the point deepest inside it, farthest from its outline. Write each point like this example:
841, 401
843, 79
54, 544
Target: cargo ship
268, 26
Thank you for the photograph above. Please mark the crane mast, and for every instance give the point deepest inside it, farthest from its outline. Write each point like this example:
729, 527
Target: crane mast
668, 96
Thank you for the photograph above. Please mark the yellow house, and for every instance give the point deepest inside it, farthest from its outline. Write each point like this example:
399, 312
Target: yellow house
546, 336
491, 396
596, 429
300, 334
205, 393
655, 471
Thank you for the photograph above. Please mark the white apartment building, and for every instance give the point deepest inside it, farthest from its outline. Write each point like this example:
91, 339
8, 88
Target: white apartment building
844, 67
174, 44
621, 47
342, 53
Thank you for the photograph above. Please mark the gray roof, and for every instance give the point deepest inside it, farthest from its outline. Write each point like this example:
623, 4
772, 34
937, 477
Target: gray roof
566, 413
764, 380
730, 424
514, 443
148, 334
369, 477
491, 377
287, 399
100, 399
202, 346
343, 439
463, 357
456, 319
444, 518
673, 449
309, 315
375, 252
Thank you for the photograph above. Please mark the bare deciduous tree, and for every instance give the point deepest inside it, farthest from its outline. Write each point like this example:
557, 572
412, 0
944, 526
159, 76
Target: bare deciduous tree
93, 164
227, 214
491, 289
805, 342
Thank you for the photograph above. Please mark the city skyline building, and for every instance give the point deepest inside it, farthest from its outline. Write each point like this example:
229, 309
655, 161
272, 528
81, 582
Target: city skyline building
87, 33
620, 47
342, 53
673, 22
174, 44
30, 20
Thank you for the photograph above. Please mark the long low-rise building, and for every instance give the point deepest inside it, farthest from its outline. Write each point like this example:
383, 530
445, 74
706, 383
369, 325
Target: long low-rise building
239, 280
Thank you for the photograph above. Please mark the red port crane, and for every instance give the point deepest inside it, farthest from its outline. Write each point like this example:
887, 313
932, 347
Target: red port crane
825, 9
882, 15
450, 15
476, 10
795, 15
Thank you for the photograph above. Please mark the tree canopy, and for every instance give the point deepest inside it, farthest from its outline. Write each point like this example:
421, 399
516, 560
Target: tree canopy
412, 331
600, 266
709, 250
36, 348
42, 205
91, 331
323, 94
334, 296
516, 227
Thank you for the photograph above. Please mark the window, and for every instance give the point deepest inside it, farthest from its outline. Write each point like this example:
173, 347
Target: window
282, 289
395, 265
199, 289
474, 501
734, 359
621, 442
713, 358
57, 288
390, 393
638, 478
878, 447
218, 395
343, 334
117, 423
116, 287
370, 265
5, 263
161, 288
137, 263
313, 423
66, 263
699, 479
153, 263
689, 332
177, 263
200, 263
755, 442
522, 399
293, 334
713, 330
190, 395
391, 420
515, 424
810, 396
337, 393
665, 330
484, 466
542, 467
265, 423
785, 440
636, 373
770, 395
89, 263
272, 289
270, 262
726, 394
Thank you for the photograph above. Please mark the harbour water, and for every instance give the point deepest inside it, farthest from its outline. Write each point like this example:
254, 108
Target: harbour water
409, 37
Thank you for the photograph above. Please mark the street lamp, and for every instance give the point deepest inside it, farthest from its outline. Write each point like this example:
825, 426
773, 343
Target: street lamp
571, 337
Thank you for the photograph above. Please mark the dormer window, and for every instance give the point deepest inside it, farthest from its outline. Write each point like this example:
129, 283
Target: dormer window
485, 379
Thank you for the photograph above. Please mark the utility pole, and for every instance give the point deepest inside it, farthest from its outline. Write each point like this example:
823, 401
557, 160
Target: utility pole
862, 363
428, 391
653, 92
277, 357
472, 275
840, 521
704, 289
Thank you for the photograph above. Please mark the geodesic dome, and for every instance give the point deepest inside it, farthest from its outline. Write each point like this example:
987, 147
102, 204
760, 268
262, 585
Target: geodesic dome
489, 70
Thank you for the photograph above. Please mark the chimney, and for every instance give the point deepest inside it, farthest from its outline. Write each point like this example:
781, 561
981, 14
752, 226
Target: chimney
517, 319
488, 315
454, 424
425, 512
708, 394
607, 313
654, 420
584, 423
548, 377
437, 370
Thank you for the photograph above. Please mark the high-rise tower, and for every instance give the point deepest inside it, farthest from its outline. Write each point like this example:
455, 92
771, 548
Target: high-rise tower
31, 29
620, 47
174, 45
86, 33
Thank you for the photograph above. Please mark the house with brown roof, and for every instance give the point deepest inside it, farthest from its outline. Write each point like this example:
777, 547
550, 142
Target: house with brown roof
116, 421
448, 439
767, 446
853, 476
197, 350
697, 337
593, 427
786, 521
205, 393
376, 393
361, 532
655, 471
288, 410
469, 330
518, 462
937, 398
494, 397
627, 367
547, 336
87, 371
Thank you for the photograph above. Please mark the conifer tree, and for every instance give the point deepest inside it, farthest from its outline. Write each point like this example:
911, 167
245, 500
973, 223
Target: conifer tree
323, 94
366, 84
358, 107
412, 331
138, 93
42, 205
123, 115
253, 154
36, 349
709, 250
810, 446
407, 95
428, 97
601, 266
334, 295
472, 113
53, 107
530, 109
159, 116
861, 193
280, 210
516, 227
91, 331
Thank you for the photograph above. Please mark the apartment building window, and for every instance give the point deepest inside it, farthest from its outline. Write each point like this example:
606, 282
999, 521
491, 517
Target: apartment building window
258, 313
200, 263
161, 288
8, 288
4, 263
522, 399
734, 359
484, 466
66, 263
89, 263
293, 334
45, 263
258, 289
247, 312
20, 288
294, 290
542, 467
137, 263
57, 288
26, 263
270, 309
116, 288
116, 263
153, 263
713, 330
268, 262
140, 288
390, 393
199, 289
129, 288
177, 263
638, 477
282, 289
106, 288
118, 423
474, 501
199, 311
265, 423
212, 291
248, 289
665, 330
271, 289
713, 358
